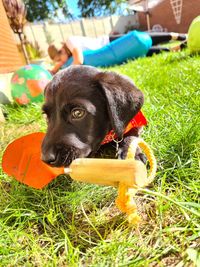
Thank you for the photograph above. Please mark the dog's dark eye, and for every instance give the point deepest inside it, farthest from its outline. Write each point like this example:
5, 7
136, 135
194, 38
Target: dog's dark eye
77, 113
46, 111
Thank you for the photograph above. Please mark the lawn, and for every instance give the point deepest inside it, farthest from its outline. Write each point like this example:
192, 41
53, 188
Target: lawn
74, 224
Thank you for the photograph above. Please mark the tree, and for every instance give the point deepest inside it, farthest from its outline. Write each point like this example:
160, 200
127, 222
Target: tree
38, 10
16, 13
93, 8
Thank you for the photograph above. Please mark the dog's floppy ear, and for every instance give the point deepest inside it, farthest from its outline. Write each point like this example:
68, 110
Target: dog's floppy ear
124, 99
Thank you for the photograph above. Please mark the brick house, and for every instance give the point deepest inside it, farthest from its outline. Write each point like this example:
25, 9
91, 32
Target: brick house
161, 15
10, 58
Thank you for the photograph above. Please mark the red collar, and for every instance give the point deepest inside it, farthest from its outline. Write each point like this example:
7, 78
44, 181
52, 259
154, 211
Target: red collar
137, 121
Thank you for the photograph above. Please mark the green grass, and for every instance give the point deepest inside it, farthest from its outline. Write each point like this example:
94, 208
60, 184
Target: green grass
74, 224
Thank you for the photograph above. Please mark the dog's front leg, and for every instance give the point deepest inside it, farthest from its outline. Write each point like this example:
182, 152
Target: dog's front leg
125, 143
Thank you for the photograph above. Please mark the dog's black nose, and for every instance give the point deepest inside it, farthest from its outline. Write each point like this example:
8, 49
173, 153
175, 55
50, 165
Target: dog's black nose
49, 158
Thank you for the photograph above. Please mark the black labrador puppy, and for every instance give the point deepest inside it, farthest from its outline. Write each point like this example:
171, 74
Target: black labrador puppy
82, 105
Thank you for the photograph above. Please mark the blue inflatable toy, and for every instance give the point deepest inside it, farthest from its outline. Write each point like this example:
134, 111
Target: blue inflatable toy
132, 45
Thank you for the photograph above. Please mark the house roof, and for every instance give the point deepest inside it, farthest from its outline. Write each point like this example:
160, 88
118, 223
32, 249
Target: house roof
143, 5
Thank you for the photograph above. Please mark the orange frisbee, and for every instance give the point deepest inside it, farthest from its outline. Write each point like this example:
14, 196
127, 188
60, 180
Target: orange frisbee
21, 160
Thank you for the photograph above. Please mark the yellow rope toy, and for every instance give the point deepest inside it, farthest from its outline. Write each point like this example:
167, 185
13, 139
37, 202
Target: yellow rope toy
128, 175
125, 200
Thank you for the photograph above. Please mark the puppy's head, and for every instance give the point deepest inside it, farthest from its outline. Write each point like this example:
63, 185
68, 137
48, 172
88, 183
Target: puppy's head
82, 105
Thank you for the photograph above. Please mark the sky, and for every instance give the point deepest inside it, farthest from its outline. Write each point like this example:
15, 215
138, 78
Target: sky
73, 8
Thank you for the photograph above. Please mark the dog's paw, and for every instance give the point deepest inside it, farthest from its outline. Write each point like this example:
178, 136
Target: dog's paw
121, 153
140, 156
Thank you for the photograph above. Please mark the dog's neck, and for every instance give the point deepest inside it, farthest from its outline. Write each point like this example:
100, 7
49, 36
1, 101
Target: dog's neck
138, 120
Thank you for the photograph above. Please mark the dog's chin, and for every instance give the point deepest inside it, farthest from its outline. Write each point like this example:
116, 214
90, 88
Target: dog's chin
65, 157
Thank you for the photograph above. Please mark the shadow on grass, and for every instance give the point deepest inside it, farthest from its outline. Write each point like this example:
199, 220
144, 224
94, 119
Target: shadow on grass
63, 206
86, 213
